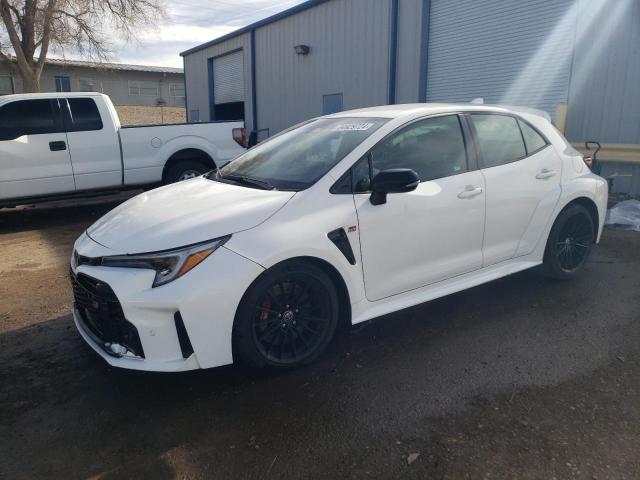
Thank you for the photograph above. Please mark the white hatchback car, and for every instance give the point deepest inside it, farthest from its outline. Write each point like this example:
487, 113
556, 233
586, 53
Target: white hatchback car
342, 218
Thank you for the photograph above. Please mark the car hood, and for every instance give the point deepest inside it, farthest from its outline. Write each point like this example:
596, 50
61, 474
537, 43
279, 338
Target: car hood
184, 213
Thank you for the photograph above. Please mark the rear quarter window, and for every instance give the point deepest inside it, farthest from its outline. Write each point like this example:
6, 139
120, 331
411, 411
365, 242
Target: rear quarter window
84, 115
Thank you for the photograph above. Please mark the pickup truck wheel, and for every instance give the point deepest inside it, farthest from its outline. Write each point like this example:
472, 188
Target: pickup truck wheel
185, 170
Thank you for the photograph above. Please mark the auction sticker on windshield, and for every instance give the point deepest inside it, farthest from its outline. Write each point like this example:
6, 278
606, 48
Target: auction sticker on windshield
352, 127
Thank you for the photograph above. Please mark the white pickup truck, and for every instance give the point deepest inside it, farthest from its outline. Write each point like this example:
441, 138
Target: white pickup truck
66, 144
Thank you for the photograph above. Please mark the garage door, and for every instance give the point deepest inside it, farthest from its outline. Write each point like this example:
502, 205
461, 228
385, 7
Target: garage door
517, 52
228, 78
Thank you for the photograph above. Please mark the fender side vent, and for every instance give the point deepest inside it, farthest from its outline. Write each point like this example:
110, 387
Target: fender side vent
183, 337
340, 240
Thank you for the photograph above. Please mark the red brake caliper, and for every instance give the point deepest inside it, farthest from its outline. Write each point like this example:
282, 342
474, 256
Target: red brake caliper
264, 312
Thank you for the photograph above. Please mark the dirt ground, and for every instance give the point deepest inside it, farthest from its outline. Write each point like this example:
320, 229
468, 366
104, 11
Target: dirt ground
136, 115
520, 378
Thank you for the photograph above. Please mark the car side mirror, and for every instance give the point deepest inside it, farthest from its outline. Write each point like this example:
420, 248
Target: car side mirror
395, 180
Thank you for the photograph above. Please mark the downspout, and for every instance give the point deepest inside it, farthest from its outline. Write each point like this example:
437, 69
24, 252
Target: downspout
184, 78
393, 52
424, 51
254, 106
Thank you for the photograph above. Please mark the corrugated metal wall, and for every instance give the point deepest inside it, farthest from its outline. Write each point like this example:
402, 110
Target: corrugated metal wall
197, 76
604, 99
516, 52
604, 102
349, 42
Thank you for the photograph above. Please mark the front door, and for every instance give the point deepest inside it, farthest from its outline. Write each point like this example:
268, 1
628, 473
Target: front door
428, 235
34, 155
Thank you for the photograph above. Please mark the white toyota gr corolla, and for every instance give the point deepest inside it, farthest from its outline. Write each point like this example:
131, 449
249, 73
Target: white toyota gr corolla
342, 218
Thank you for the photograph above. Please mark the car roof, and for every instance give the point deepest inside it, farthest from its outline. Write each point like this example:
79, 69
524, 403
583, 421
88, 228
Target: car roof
36, 96
417, 109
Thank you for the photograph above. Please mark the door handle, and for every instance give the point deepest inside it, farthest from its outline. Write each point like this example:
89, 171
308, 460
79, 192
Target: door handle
470, 191
545, 173
57, 146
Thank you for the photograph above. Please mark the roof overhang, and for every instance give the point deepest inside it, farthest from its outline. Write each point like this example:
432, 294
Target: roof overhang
266, 21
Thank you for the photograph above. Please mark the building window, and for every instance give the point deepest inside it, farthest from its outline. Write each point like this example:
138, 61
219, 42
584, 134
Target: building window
88, 85
63, 84
176, 91
331, 103
6, 85
144, 89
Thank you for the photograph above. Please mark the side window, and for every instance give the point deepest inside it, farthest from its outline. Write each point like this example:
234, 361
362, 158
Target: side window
27, 117
433, 148
532, 139
84, 115
499, 139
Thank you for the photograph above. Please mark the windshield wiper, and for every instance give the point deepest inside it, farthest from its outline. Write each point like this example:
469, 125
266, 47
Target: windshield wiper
254, 182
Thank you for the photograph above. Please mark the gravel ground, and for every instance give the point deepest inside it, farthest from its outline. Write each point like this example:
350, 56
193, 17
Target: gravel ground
519, 378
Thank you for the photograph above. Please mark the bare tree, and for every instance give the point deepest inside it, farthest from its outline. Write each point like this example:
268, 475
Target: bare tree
33, 28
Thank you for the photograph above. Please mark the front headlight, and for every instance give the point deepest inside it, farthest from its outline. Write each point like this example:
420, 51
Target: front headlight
168, 264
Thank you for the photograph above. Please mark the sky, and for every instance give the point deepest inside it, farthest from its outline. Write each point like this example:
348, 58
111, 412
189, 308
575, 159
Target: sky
192, 22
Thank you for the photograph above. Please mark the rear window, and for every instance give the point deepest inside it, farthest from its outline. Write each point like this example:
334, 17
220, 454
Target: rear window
84, 115
27, 117
499, 139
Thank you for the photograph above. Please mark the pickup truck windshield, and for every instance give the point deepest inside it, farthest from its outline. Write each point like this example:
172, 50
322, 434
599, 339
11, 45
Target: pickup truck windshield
297, 158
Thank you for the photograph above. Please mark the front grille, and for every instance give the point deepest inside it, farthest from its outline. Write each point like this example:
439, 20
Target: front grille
101, 314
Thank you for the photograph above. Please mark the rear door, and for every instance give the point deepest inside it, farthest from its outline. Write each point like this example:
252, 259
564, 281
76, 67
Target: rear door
34, 158
93, 143
522, 177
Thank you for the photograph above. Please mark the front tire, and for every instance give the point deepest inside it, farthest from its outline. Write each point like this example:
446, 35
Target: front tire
569, 244
287, 317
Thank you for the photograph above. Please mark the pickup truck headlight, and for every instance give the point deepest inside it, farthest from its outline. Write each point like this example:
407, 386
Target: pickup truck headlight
168, 264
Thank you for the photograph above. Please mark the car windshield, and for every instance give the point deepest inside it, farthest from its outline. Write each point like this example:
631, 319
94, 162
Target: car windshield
297, 158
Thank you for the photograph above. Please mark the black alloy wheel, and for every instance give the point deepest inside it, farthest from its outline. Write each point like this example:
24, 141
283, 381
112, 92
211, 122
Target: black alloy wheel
570, 242
287, 317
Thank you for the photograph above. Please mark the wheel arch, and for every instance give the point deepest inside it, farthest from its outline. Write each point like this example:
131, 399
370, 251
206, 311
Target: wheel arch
193, 154
344, 299
587, 203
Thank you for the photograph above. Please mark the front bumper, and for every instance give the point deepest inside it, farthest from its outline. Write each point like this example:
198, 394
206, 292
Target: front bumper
199, 307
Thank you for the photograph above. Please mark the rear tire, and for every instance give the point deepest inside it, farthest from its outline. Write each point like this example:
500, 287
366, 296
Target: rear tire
287, 317
185, 170
569, 244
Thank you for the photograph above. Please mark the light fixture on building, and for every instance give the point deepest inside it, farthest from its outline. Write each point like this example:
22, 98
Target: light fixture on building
302, 49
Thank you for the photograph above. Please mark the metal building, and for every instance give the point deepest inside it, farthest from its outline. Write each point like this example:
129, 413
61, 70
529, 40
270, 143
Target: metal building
125, 84
577, 59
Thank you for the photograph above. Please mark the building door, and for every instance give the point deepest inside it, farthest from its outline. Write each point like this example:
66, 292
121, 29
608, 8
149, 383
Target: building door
228, 86
516, 53
331, 103
63, 84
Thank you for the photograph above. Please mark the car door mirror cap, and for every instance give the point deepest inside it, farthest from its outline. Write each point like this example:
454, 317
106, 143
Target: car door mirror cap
395, 180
